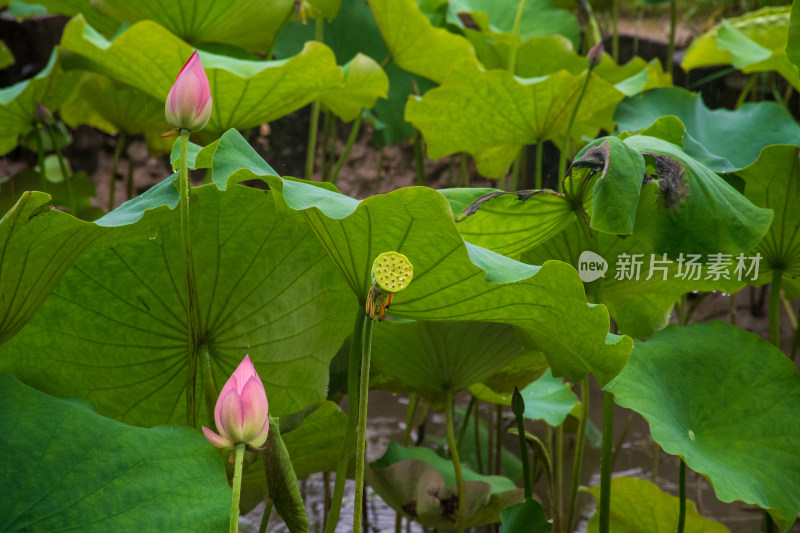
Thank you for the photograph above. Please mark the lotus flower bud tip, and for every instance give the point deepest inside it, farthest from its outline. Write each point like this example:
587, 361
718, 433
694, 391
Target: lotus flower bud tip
241, 413
189, 101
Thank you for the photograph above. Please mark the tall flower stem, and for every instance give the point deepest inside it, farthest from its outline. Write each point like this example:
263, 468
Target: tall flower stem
518, 408
682, 497
559, 471
539, 164
237, 486
311, 151
63, 165
673, 17
578, 461
191, 289
40, 158
112, 179
352, 413
512, 56
562, 159
351, 139
605, 462
453, 445
361, 430
614, 26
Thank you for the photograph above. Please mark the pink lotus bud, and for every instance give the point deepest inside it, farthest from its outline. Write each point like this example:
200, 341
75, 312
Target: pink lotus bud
189, 101
241, 410
595, 55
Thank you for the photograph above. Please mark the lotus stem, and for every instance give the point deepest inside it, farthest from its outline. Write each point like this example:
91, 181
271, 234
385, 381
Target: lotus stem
512, 55
209, 385
559, 475
352, 414
673, 18
191, 289
451, 443
514, 185
361, 430
262, 528
615, 35
319, 32
40, 158
605, 462
681, 497
562, 160
775, 308
539, 155
465, 423
419, 160
578, 461
518, 408
351, 139
73, 209
477, 436
237, 486
112, 179
411, 415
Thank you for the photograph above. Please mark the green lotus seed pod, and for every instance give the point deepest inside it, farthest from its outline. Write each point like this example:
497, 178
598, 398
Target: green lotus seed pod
392, 272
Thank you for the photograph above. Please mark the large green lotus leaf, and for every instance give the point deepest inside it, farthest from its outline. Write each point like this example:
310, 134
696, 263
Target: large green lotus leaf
548, 399
733, 416
774, 182
250, 24
639, 506
421, 485
51, 87
364, 82
721, 139
690, 209
37, 245
491, 114
754, 42
511, 223
434, 358
414, 43
83, 191
453, 280
245, 93
525, 517
264, 286
496, 18
640, 300
115, 107
66, 467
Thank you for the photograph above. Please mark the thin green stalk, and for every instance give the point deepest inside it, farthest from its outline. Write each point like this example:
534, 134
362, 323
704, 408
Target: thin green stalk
112, 181
411, 415
262, 528
769, 525
559, 474
209, 385
548, 439
451, 443
465, 422
775, 308
419, 159
681, 497
796, 341
615, 36
518, 408
477, 435
311, 149
578, 461
326, 141
361, 430
237, 486
512, 56
562, 159
673, 20
746, 91
498, 450
129, 180
191, 289
463, 171
514, 186
539, 164
605, 462
351, 139
63, 165
352, 414
40, 158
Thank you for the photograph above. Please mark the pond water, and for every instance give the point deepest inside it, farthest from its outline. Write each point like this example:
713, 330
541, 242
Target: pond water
638, 457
